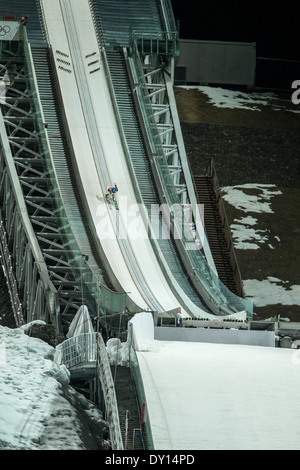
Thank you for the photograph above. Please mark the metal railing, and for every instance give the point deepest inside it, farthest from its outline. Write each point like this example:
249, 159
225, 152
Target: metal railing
78, 350
88, 349
153, 42
219, 298
211, 172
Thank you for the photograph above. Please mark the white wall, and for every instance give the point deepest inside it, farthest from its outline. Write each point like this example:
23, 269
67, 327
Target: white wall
210, 335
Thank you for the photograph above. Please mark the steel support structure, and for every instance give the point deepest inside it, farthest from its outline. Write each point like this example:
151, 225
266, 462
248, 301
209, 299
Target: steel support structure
47, 274
155, 71
156, 57
36, 241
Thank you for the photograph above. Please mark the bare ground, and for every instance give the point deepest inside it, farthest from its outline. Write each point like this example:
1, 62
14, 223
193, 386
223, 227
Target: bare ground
253, 147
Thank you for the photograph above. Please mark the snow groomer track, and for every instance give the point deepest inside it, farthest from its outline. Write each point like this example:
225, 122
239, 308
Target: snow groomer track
90, 104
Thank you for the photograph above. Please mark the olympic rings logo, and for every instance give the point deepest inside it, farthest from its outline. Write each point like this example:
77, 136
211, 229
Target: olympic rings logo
4, 30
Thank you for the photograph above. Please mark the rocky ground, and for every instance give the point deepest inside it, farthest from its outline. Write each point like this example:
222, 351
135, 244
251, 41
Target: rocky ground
247, 146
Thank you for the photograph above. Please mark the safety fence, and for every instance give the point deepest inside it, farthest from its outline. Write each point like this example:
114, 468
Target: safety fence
88, 349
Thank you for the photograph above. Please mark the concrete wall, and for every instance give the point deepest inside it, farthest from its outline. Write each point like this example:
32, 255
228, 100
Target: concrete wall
231, 63
210, 335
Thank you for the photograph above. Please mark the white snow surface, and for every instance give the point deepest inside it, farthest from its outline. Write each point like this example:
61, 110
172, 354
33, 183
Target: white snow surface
199, 395
258, 203
220, 396
34, 411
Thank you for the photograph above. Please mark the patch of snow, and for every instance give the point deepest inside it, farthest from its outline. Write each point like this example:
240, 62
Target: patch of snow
37, 405
237, 197
271, 292
244, 236
235, 99
244, 233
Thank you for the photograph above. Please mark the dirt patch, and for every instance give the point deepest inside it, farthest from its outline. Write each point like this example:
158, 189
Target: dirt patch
244, 154
253, 147
279, 255
194, 106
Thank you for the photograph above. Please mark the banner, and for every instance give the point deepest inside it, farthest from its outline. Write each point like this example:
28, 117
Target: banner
9, 30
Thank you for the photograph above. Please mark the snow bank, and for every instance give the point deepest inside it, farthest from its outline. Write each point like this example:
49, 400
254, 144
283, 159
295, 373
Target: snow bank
34, 411
26, 386
140, 332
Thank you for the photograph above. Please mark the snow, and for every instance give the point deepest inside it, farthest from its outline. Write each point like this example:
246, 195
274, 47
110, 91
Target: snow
246, 236
259, 203
219, 396
236, 99
271, 291
37, 405
199, 395
244, 233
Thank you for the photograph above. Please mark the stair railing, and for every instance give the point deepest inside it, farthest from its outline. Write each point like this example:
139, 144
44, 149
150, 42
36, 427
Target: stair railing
212, 173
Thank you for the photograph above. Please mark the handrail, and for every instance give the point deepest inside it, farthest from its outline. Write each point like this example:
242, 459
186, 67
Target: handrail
168, 15
163, 42
88, 349
109, 394
216, 294
78, 350
145, 426
212, 173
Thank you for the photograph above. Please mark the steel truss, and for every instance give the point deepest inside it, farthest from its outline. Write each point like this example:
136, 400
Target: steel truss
155, 78
46, 273
158, 70
157, 59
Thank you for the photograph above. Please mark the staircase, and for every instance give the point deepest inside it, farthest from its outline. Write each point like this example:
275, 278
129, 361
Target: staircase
119, 18
141, 165
215, 232
128, 407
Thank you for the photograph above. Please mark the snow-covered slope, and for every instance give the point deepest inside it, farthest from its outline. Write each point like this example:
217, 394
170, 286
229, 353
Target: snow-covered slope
38, 408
